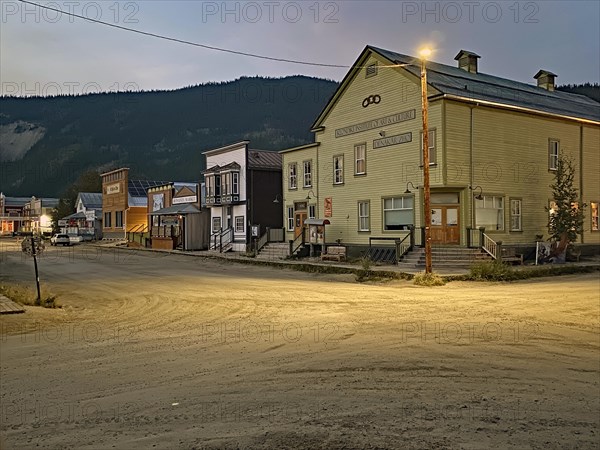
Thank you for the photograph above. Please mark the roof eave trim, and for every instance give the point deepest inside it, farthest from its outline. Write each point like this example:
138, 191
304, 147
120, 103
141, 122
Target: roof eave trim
519, 108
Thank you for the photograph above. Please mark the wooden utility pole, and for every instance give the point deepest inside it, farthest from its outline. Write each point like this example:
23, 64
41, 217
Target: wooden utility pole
37, 277
426, 188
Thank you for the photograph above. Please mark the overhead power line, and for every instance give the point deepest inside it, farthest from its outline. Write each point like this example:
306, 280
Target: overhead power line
196, 44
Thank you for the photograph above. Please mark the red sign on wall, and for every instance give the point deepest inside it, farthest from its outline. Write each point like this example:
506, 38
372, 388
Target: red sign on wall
327, 206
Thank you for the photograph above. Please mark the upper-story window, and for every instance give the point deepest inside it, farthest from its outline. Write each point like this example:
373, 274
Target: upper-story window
360, 159
553, 150
307, 173
293, 176
217, 185
210, 185
431, 135
235, 183
226, 180
338, 169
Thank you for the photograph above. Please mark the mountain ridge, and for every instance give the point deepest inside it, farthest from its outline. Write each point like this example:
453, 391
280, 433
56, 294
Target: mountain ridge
48, 141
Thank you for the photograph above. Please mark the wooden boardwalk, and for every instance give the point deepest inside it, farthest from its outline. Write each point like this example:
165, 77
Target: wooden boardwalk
7, 306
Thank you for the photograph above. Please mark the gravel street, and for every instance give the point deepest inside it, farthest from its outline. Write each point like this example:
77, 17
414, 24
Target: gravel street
153, 350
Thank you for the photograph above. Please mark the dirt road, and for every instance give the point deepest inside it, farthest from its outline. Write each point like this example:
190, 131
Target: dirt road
157, 351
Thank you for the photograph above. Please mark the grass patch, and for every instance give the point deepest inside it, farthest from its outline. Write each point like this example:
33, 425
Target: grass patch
27, 296
428, 279
497, 271
491, 271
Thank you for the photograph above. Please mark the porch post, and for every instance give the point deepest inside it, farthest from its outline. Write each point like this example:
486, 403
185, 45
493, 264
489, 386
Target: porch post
481, 231
469, 229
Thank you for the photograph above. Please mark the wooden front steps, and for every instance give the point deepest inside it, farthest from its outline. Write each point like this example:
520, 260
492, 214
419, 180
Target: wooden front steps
444, 256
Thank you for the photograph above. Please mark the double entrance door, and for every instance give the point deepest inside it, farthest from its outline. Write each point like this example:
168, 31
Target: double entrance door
445, 224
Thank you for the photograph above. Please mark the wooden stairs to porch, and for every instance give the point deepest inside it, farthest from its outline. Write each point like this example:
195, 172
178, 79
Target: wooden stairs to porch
444, 256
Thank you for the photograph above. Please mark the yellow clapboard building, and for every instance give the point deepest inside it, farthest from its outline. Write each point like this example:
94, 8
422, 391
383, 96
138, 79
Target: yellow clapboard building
493, 147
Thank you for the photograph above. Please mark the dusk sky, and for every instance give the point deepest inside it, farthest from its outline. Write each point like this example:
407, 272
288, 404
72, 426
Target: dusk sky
43, 52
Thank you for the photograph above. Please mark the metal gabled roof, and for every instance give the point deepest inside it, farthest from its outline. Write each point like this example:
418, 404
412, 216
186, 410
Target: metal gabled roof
501, 91
91, 200
263, 159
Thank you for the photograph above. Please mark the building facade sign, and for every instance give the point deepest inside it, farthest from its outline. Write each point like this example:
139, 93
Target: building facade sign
186, 199
328, 206
113, 188
90, 216
377, 123
392, 140
158, 202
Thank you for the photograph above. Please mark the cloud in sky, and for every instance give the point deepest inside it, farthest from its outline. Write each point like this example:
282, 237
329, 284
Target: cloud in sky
515, 39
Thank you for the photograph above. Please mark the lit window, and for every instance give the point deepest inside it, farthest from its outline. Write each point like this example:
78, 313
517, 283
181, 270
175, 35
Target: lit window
594, 210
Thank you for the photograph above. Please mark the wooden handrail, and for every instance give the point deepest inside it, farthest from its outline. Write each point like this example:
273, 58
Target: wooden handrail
490, 246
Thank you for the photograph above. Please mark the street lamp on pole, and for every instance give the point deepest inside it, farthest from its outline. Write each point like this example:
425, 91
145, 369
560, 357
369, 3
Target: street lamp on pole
425, 53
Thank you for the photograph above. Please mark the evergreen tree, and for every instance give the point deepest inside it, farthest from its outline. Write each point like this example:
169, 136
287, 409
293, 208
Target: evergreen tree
565, 219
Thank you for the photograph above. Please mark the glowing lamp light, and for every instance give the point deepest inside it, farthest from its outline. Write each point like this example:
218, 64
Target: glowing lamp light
425, 52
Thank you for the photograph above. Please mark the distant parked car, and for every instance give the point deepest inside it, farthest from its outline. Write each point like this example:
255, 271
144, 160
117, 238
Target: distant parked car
60, 239
75, 239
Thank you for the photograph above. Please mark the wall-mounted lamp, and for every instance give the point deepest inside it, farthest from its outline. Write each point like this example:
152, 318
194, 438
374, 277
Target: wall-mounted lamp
382, 133
408, 191
278, 198
308, 197
478, 196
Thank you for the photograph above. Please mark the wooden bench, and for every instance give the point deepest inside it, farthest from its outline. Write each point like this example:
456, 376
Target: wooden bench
334, 253
511, 255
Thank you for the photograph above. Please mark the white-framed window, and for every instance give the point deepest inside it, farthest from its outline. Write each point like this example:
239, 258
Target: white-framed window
293, 176
398, 212
210, 185
338, 169
432, 147
226, 183
360, 159
516, 218
364, 221
235, 183
216, 224
594, 215
553, 151
290, 218
312, 211
307, 173
489, 212
118, 219
239, 224
371, 70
